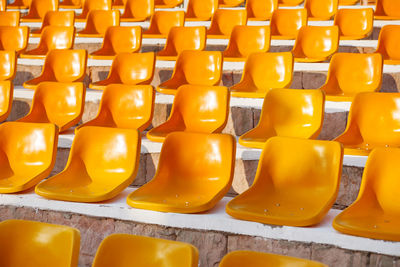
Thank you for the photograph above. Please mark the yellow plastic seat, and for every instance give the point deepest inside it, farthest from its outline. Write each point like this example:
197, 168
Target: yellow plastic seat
196, 108
28, 154
260, 9
90, 5
246, 40
61, 65
32, 244
183, 38
348, 2
125, 106
8, 66
19, 4
194, 173
58, 103
230, 3
14, 38
118, 39
52, 37
262, 72
388, 44
161, 23
55, 18
316, 43
119, 250
321, 9
6, 99
38, 9
138, 10
241, 258
375, 212
71, 4
354, 23
223, 22
351, 73
98, 21
129, 68
286, 23
102, 162
387, 10
196, 68
199, 10
9, 18
296, 183
290, 2
289, 113
167, 3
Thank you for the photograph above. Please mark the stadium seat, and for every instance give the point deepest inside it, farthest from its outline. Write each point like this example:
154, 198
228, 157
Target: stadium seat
58, 103
198, 10
286, 23
55, 18
52, 37
119, 250
194, 67
246, 40
372, 122
196, 108
167, 3
6, 99
89, 5
351, 73
28, 154
240, 258
118, 4
375, 213
223, 22
290, 2
354, 23
32, 244
14, 38
8, 66
348, 2
183, 38
230, 3
19, 4
118, 39
316, 43
61, 66
38, 9
387, 10
71, 4
98, 21
137, 10
289, 113
125, 106
262, 72
194, 172
162, 21
388, 44
296, 183
321, 9
260, 9
9, 18
101, 164
129, 68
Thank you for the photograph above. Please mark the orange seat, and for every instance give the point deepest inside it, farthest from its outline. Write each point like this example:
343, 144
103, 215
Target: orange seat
55, 18
260, 9
321, 9
119, 250
118, 39
289, 113
223, 22
375, 213
38, 9
194, 67
262, 72
52, 37
286, 23
348, 2
296, 183
98, 21
198, 10
125, 106
58, 103
129, 68
183, 38
316, 43
230, 3
196, 108
61, 65
6, 99
71, 4
354, 23
32, 244
14, 38
138, 10
189, 180
290, 2
9, 18
167, 3
372, 122
246, 40
101, 164
89, 5
351, 73
28, 154
118, 4
8, 66
162, 21
387, 9
19, 4
388, 44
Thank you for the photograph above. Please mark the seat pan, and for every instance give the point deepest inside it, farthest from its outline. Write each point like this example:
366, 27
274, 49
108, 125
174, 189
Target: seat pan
122, 19
353, 37
391, 62
167, 58
168, 91
283, 37
311, 60
248, 90
19, 182
386, 18
252, 139
217, 36
235, 59
155, 35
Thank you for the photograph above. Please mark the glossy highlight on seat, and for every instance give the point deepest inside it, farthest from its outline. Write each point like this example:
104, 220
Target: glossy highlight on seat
387, 9
14, 38
354, 23
138, 10
321, 9
98, 21
286, 23
38, 9
9, 18
296, 183
161, 23
198, 10
8, 68
189, 180
6, 99
55, 18
167, 3
90, 5
102, 163
223, 22
260, 9
388, 44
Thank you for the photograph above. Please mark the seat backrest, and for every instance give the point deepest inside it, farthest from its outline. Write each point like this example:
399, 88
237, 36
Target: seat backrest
8, 68
162, 21
123, 39
287, 22
14, 38
140, 9
354, 22
184, 38
203, 9
89, 5
321, 10
64, 65
99, 20
390, 8
39, 8
389, 41
261, 9
58, 18
133, 68
9, 18
224, 20
6, 99
57, 37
